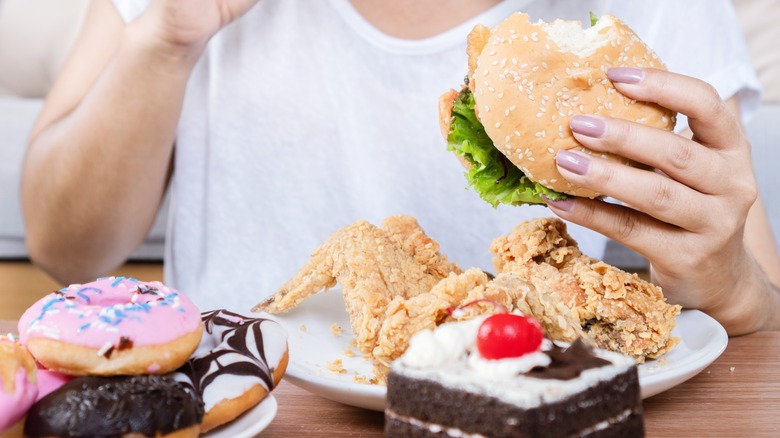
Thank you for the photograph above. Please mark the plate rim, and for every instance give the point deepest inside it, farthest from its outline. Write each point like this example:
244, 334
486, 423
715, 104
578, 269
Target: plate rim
269, 403
368, 396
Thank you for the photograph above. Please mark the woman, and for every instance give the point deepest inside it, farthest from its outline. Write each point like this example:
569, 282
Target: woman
293, 119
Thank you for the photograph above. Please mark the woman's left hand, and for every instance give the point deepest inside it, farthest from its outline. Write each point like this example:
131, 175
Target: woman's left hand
687, 215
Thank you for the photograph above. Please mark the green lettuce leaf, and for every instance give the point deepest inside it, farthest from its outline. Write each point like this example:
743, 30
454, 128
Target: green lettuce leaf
593, 18
492, 175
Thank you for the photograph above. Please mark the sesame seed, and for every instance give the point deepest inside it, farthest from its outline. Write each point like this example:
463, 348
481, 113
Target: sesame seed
498, 124
539, 115
491, 89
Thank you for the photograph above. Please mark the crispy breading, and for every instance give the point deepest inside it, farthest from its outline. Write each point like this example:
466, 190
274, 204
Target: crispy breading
618, 310
396, 282
373, 266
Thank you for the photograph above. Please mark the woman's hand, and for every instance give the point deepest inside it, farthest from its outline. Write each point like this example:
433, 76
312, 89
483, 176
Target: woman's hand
687, 216
186, 25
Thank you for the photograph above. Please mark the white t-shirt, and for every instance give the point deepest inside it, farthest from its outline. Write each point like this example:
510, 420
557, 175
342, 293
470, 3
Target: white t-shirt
302, 118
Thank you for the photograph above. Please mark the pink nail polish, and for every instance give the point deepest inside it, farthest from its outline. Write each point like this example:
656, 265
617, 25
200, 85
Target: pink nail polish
563, 205
626, 75
572, 162
588, 125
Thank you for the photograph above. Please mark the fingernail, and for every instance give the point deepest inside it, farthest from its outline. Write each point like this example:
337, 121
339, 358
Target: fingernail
564, 205
572, 162
588, 125
626, 75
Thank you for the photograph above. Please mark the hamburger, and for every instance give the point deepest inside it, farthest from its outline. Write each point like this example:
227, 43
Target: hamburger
525, 81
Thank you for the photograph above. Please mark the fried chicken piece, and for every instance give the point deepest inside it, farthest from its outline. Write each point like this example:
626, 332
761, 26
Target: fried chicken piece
373, 266
618, 310
405, 232
405, 317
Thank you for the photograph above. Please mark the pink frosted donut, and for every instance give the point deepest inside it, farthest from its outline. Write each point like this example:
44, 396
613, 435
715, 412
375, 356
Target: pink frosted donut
112, 326
18, 388
50, 381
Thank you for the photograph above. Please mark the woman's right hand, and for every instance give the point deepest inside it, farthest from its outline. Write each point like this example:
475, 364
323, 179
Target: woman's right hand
185, 26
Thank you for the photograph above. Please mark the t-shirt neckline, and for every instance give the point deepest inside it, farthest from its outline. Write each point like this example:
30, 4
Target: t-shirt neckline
449, 38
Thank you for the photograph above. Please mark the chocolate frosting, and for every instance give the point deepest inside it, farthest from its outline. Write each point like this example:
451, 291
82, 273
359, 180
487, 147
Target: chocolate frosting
114, 406
569, 363
241, 352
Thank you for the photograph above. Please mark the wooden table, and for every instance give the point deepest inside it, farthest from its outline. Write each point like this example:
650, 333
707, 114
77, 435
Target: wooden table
738, 395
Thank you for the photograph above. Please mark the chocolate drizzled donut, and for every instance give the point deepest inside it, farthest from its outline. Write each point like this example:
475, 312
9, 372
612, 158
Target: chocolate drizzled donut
236, 354
114, 407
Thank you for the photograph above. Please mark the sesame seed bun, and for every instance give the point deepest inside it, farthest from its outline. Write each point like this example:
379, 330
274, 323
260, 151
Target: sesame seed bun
529, 79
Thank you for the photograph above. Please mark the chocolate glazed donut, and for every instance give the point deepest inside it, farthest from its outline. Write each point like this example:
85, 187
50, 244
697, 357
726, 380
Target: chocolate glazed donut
239, 361
148, 406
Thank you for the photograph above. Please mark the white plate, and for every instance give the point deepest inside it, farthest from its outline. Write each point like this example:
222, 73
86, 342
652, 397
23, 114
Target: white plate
702, 340
249, 424
313, 346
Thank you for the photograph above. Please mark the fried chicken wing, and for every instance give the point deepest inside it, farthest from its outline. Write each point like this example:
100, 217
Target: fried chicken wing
396, 282
373, 266
618, 310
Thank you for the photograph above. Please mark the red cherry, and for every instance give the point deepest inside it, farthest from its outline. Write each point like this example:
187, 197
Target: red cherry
508, 335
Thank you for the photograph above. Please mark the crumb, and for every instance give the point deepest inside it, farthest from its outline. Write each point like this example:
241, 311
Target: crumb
349, 353
303, 328
364, 380
336, 329
662, 361
337, 367
732, 369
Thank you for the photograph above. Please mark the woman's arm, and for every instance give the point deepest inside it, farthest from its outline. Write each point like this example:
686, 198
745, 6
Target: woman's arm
99, 155
699, 220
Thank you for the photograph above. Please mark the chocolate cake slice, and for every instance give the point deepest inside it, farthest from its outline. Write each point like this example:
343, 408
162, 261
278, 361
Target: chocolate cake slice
442, 387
